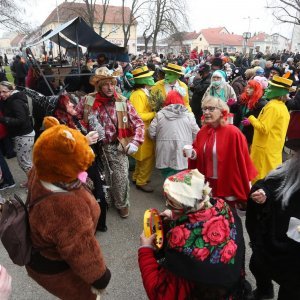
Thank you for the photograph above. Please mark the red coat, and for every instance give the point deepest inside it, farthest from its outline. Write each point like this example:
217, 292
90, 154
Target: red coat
235, 168
159, 283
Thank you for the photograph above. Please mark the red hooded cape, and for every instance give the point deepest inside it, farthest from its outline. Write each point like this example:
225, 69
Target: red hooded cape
235, 168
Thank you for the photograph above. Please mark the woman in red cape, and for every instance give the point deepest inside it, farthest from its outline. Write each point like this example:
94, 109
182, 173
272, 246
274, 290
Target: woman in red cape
220, 152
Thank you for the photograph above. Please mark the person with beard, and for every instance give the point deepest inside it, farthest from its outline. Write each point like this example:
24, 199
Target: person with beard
273, 225
200, 84
124, 133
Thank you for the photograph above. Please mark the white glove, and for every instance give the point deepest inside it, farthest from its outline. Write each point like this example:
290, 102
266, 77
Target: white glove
131, 148
92, 137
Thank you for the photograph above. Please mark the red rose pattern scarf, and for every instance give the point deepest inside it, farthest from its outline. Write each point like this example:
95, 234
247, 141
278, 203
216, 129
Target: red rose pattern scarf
207, 234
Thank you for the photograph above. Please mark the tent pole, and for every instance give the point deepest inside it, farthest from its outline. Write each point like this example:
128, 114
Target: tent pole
78, 62
59, 50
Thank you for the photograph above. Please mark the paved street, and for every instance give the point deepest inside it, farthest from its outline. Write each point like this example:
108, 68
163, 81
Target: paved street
119, 244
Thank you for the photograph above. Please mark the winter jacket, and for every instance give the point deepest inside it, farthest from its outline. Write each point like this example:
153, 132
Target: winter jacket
268, 224
155, 279
238, 84
139, 101
243, 112
16, 113
160, 85
172, 128
200, 86
269, 136
229, 91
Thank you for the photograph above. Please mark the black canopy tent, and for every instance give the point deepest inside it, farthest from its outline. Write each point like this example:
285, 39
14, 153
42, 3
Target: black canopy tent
80, 33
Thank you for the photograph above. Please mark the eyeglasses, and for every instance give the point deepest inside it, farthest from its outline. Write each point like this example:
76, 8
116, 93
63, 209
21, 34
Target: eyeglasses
209, 108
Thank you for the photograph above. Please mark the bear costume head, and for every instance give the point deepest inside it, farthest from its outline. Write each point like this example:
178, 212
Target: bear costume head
60, 154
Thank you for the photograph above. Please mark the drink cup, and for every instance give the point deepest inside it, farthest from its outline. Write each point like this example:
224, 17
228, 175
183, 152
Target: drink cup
188, 149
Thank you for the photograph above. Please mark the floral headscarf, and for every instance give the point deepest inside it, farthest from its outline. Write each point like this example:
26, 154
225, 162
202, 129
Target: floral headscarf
187, 191
203, 245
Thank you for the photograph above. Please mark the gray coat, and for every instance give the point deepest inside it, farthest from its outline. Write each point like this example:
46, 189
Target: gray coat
172, 128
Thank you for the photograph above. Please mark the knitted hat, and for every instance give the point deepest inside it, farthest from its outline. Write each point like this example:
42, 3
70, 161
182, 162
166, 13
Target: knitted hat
217, 62
61, 153
263, 81
259, 71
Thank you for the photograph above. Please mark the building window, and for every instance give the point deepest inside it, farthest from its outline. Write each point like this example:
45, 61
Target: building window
114, 28
200, 39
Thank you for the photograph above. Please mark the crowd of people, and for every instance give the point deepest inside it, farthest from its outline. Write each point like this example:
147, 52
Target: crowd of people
214, 125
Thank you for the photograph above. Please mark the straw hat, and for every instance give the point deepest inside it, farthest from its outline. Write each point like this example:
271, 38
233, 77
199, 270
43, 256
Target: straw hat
173, 68
281, 82
101, 74
141, 72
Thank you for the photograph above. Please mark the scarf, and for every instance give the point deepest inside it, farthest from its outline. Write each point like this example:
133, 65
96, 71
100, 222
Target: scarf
100, 100
208, 153
218, 92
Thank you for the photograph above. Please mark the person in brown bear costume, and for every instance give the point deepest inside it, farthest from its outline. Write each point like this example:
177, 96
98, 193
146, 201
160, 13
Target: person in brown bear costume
69, 262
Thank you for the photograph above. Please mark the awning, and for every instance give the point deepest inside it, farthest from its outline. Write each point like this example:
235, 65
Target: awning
79, 32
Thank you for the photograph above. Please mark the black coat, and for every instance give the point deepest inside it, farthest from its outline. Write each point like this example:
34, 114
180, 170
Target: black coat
16, 113
267, 225
294, 104
200, 86
240, 112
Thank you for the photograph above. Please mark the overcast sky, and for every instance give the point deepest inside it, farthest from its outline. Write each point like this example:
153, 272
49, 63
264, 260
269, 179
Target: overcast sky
233, 14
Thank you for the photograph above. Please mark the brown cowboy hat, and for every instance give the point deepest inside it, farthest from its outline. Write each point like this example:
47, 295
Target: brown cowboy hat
101, 74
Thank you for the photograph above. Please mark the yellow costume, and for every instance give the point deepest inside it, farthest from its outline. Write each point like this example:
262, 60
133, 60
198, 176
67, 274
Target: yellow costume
160, 85
145, 156
269, 136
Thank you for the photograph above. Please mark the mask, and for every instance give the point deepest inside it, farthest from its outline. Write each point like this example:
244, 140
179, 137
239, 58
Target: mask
170, 77
145, 80
216, 83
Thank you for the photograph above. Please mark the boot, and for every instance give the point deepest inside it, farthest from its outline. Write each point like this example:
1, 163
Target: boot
101, 226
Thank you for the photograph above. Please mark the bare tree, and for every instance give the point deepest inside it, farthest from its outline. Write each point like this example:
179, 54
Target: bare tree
169, 16
147, 35
105, 4
11, 16
128, 20
91, 10
286, 11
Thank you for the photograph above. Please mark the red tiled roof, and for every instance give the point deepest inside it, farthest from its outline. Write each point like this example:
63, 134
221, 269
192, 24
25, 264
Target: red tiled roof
261, 37
69, 10
215, 37
16, 41
190, 35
